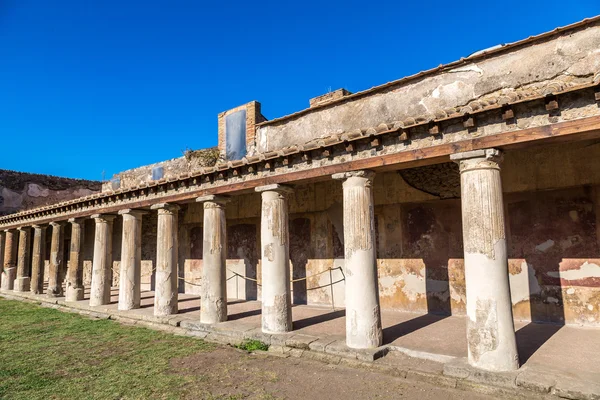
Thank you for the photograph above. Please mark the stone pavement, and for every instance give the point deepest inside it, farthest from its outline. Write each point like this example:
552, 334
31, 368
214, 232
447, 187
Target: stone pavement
559, 360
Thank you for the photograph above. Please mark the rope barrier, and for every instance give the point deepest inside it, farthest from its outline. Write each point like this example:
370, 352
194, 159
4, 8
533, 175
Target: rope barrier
235, 274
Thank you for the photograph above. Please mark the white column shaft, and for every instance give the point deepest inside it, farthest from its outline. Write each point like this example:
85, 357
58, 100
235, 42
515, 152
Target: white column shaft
363, 314
102, 262
55, 275
490, 331
131, 260
276, 300
166, 296
22, 281
213, 306
74, 279
37, 259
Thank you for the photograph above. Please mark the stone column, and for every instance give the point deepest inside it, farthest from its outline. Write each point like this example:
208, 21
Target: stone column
10, 260
102, 263
213, 306
74, 285
22, 282
131, 260
37, 259
165, 295
363, 314
2, 236
275, 253
57, 246
490, 328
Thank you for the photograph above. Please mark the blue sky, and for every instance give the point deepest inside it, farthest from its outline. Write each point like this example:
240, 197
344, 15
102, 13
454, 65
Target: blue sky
93, 87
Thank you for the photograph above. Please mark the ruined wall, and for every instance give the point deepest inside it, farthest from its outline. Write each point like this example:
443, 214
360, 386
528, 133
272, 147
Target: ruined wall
192, 161
551, 200
21, 191
545, 66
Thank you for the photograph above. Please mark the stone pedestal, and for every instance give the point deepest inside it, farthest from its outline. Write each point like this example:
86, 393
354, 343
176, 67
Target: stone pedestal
74, 282
276, 300
363, 314
55, 275
102, 263
9, 272
131, 260
490, 331
37, 259
166, 296
22, 282
213, 306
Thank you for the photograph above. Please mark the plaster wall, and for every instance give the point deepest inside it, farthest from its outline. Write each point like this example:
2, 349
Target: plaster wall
552, 218
551, 64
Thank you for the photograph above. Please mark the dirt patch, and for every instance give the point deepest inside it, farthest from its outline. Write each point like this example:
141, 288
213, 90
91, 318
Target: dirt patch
227, 373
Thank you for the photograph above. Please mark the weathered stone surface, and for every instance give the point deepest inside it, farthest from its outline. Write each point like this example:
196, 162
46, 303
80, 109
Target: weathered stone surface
166, 293
276, 298
74, 282
22, 280
213, 306
490, 332
103, 257
57, 260
559, 63
37, 259
131, 259
363, 313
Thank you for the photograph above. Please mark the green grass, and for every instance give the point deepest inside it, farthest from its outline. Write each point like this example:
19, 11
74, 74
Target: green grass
47, 354
252, 345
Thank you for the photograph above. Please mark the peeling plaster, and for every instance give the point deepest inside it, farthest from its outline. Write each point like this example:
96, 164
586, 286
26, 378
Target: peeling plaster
524, 284
586, 270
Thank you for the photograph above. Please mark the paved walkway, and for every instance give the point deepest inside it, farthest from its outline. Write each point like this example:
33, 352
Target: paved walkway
566, 351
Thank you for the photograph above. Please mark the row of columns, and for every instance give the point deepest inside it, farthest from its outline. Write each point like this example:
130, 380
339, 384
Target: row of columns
490, 331
15, 274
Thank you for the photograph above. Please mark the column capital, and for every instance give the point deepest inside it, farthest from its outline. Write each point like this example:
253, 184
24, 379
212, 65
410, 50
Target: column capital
103, 217
58, 223
367, 174
23, 228
275, 187
39, 226
135, 213
78, 220
166, 207
211, 200
9, 230
486, 154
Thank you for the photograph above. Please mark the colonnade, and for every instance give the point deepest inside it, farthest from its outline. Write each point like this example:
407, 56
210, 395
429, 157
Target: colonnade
490, 331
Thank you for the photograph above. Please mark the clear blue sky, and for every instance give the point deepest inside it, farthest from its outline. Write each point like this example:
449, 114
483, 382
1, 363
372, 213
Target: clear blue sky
92, 86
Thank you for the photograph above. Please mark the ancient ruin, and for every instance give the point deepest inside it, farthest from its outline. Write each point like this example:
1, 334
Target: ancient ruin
469, 189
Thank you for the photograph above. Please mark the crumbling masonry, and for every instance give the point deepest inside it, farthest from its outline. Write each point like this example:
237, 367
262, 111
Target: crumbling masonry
470, 189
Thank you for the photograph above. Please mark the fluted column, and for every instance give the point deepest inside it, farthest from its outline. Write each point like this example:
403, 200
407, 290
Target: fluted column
213, 306
102, 263
57, 246
10, 260
22, 281
74, 282
37, 258
363, 314
490, 328
131, 260
275, 256
165, 295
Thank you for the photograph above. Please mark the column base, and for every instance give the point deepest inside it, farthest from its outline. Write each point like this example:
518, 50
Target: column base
54, 292
22, 284
8, 278
74, 294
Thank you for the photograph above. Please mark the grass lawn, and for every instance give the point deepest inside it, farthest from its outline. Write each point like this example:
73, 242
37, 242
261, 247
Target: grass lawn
48, 354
